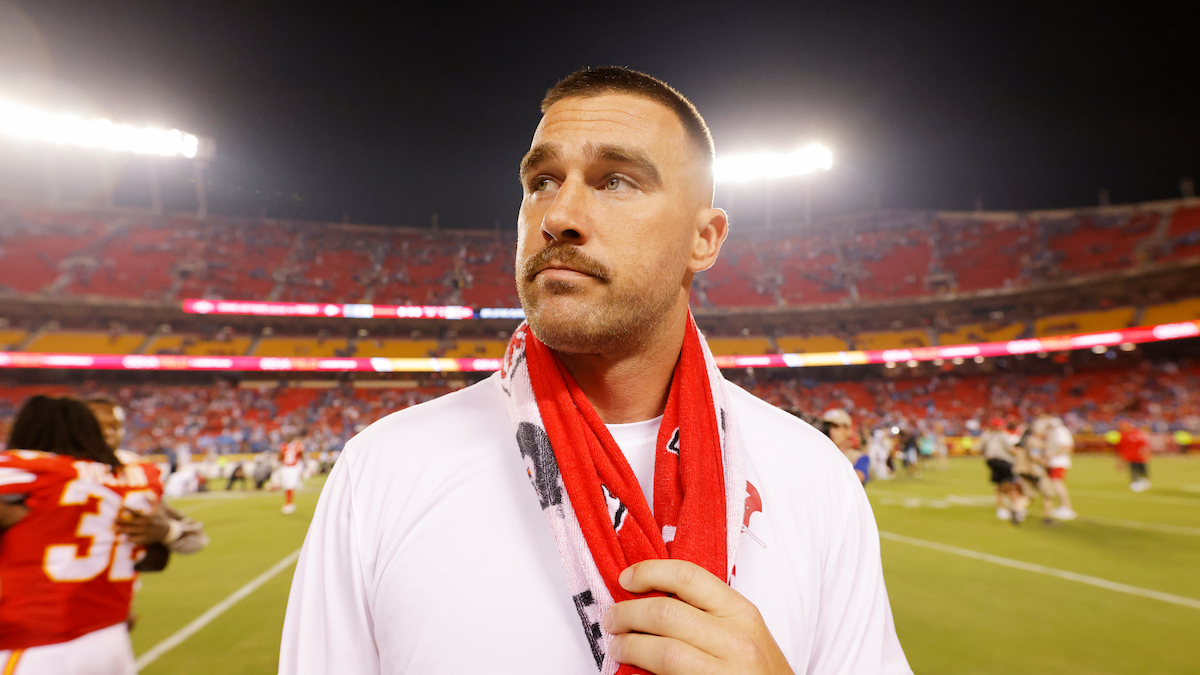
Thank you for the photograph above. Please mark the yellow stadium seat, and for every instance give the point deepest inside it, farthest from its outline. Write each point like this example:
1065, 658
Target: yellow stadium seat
978, 332
477, 349
1172, 312
892, 339
300, 347
1084, 322
192, 345
815, 344
399, 349
96, 342
11, 338
739, 346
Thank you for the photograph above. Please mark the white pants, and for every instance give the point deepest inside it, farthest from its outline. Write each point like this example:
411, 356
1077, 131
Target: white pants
101, 652
289, 477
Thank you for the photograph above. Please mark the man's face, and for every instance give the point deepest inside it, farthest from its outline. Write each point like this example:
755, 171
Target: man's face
613, 192
111, 423
840, 435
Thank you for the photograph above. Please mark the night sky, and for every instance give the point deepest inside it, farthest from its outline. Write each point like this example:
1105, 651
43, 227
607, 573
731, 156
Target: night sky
389, 113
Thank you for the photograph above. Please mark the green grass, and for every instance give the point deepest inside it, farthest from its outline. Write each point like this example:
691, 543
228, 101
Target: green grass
955, 615
960, 615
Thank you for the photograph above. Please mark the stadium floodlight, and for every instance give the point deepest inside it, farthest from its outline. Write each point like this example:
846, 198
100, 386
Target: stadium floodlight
31, 124
744, 168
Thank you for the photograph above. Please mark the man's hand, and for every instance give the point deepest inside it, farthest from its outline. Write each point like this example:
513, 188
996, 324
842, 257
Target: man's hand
11, 514
145, 529
706, 628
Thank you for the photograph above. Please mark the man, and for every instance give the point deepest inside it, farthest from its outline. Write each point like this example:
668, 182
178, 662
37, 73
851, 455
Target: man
1058, 445
291, 455
67, 574
998, 454
837, 424
161, 524
582, 509
1134, 450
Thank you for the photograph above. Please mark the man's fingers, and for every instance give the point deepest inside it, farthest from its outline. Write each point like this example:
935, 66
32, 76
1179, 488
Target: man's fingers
660, 655
685, 580
669, 618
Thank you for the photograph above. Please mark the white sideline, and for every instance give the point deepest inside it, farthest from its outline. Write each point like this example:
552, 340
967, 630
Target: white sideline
213, 612
1040, 569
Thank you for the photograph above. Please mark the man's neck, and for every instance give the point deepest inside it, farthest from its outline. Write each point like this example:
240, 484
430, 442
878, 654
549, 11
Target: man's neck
631, 387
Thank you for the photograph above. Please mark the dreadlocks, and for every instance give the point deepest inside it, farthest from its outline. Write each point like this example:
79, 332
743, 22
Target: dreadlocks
61, 425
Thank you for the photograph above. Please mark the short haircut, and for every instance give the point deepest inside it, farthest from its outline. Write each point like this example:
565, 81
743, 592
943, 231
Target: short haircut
61, 425
590, 82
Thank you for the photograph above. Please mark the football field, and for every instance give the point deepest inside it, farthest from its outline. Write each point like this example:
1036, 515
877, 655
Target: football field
1116, 591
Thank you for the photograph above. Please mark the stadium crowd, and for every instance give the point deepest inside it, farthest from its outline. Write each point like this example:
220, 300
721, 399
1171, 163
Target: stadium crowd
883, 255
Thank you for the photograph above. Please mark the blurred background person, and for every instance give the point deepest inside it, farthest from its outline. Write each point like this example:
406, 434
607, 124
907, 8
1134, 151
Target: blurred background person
838, 425
1134, 450
998, 454
1058, 444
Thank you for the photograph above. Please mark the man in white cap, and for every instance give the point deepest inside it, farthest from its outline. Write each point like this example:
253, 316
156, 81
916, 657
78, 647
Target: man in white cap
839, 427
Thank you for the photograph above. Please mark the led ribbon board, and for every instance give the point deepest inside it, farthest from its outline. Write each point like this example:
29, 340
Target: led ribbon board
1141, 335
331, 310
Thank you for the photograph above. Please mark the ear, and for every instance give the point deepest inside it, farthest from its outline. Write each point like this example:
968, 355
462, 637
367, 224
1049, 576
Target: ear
712, 226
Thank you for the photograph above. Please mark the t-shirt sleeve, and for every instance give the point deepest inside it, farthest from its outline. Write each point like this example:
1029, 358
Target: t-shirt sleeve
856, 634
863, 464
328, 626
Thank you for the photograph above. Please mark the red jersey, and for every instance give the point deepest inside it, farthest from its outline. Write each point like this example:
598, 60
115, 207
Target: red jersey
292, 453
63, 570
1133, 446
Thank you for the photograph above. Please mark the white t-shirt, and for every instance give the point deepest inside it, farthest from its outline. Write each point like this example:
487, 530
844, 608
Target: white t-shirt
429, 552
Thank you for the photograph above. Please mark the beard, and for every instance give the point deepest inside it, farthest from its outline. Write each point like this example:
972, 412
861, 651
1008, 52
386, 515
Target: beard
605, 315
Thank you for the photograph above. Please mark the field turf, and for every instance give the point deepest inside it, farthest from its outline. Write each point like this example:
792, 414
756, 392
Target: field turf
1116, 591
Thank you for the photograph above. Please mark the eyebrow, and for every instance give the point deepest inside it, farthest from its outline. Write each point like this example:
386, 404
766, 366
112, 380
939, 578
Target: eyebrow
604, 152
620, 155
538, 154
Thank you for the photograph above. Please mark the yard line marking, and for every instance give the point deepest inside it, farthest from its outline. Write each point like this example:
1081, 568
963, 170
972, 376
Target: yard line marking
1050, 571
1139, 525
213, 612
987, 501
1157, 499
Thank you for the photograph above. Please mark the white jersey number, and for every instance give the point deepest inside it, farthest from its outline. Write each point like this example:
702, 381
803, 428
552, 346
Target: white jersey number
62, 562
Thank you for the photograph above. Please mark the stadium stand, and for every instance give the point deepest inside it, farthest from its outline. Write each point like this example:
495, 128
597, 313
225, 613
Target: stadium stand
302, 347
884, 256
980, 332
9, 339
1085, 322
724, 346
85, 342
892, 339
1172, 312
195, 345
410, 349
812, 344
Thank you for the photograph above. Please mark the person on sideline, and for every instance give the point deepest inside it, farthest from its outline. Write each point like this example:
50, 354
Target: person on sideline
582, 510
839, 427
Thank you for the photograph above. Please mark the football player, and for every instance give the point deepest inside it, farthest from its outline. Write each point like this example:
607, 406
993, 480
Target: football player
66, 576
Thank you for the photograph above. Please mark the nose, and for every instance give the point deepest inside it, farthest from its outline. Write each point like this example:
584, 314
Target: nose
568, 220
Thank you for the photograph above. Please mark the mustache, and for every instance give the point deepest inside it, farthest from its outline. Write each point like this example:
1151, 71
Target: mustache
567, 254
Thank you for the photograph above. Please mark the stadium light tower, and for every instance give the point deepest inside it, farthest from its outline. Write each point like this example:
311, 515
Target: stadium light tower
28, 123
768, 166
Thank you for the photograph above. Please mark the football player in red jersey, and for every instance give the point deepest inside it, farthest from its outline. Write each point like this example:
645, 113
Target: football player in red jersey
66, 577
290, 474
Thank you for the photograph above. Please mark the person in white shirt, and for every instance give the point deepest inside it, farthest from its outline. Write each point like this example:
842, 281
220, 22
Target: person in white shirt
1059, 445
536, 521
